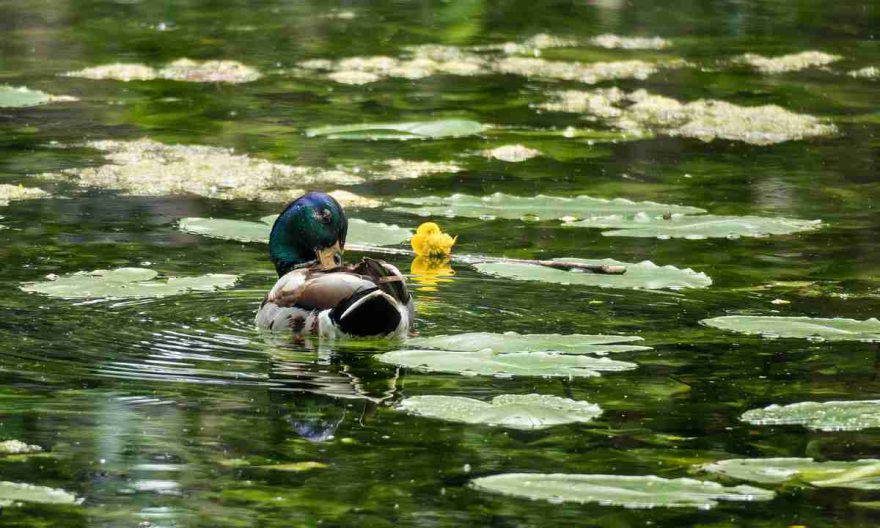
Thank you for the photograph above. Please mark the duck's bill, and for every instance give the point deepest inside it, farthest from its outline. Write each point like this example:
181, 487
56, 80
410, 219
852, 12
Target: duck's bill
329, 257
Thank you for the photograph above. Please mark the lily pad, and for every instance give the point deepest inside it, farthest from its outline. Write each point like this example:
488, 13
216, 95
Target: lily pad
19, 97
697, 227
800, 327
444, 128
487, 363
516, 411
125, 283
822, 416
359, 231
641, 276
510, 342
11, 492
642, 491
295, 467
540, 207
857, 474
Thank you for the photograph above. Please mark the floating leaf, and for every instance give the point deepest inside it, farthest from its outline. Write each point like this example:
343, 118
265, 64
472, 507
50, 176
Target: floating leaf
510, 342
697, 227
11, 492
823, 416
500, 205
643, 491
295, 467
486, 363
800, 327
359, 231
19, 97
526, 411
858, 474
444, 128
644, 275
124, 283
240, 230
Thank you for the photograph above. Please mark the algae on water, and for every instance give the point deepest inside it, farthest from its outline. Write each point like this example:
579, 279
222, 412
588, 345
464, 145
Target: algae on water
148, 168
10, 193
787, 63
705, 119
187, 70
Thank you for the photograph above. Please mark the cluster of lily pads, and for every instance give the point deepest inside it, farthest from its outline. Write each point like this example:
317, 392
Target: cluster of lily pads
148, 168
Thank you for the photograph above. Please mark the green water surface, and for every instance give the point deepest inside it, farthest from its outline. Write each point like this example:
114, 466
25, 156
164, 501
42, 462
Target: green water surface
161, 412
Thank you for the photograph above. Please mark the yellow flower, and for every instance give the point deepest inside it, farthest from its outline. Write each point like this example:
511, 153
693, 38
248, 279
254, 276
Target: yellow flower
429, 241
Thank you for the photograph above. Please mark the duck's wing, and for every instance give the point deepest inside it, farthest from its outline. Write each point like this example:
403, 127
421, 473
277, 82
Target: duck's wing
300, 292
386, 276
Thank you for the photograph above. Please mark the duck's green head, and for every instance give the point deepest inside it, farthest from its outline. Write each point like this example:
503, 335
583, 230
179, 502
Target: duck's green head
311, 228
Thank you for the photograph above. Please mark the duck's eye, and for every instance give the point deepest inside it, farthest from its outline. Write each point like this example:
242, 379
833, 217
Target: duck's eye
324, 216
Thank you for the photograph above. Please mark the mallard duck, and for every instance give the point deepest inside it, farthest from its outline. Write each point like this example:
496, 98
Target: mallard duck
316, 294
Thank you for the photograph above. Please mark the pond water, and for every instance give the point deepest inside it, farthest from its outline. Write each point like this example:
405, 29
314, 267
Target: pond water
173, 411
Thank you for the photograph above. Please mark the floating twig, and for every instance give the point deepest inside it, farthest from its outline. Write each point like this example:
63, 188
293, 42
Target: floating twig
602, 269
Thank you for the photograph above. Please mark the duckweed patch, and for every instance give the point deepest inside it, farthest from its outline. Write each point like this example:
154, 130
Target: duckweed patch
149, 168
187, 70
706, 119
787, 63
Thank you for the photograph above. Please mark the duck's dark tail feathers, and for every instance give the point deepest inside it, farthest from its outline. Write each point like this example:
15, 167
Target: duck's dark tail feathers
369, 312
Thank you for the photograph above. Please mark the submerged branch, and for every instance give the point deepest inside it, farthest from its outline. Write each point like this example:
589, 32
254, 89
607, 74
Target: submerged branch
603, 269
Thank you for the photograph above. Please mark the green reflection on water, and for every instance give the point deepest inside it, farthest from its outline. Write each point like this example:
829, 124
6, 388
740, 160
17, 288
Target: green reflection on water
162, 410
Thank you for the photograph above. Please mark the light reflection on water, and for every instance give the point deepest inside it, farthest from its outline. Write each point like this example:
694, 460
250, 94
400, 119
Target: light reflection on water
172, 411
